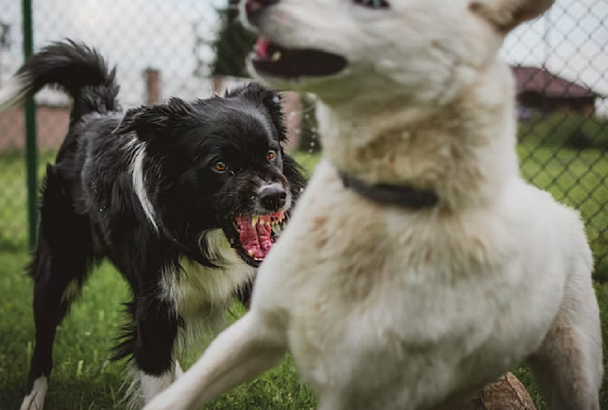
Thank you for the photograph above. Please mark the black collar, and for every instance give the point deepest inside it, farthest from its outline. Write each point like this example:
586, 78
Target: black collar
400, 195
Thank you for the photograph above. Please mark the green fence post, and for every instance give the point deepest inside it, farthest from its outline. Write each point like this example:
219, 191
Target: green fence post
31, 148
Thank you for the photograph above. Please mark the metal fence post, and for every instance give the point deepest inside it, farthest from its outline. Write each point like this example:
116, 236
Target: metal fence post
31, 148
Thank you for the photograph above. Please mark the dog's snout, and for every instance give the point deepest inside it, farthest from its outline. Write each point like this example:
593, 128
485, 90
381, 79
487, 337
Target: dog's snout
272, 197
253, 7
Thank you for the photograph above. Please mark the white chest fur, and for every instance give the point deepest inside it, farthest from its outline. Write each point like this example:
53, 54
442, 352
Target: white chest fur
200, 293
408, 295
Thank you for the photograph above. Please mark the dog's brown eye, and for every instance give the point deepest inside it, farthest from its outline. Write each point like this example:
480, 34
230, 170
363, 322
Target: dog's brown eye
220, 166
271, 155
373, 4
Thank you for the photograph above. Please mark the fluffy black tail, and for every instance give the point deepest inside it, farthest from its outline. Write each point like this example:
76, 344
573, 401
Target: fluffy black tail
73, 67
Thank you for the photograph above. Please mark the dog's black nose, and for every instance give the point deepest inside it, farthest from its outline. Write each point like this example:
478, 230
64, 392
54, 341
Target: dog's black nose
272, 197
254, 7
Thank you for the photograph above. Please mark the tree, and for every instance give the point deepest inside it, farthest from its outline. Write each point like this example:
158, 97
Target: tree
232, 44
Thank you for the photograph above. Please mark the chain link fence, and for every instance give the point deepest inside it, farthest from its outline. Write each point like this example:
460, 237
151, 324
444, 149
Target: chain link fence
193, 48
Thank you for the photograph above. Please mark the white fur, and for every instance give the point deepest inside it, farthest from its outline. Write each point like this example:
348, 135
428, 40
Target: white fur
389, 308
152, 386
35, 400
145, 387
199, 293
178, 370
139, 185
14, 92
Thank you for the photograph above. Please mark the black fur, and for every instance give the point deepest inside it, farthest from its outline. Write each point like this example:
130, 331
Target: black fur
90, 209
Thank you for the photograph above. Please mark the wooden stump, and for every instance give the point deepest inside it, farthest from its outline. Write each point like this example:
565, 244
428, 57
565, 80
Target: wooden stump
507, 393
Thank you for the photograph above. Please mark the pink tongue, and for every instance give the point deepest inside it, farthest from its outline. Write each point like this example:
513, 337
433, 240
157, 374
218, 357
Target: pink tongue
261, 48
264, 232
254, 239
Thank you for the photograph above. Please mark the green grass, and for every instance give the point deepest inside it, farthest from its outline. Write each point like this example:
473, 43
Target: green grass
13, 199
579, 179
83, 378
82, 374
566, 130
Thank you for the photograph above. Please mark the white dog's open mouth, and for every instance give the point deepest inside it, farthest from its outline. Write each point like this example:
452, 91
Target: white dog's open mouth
275, 60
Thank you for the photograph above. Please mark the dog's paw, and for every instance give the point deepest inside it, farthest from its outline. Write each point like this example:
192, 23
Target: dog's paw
35, 400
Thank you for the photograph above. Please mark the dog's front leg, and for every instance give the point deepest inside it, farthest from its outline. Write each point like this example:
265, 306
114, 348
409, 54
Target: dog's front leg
239, 354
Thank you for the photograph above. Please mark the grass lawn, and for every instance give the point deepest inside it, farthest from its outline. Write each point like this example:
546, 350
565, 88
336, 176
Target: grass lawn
84, 379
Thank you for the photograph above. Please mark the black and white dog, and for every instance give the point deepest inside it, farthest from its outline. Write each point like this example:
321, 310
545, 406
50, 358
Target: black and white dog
181, 197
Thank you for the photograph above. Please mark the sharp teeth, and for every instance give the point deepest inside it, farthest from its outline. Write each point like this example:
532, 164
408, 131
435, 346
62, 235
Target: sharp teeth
276, 56
254, 220
262, 222
250, 252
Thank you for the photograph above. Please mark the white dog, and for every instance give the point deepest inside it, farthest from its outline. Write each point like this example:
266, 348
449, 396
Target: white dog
418, 266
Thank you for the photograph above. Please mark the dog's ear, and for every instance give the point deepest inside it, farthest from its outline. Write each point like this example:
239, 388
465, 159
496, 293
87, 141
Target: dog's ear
508, 14
271, 100
150, 121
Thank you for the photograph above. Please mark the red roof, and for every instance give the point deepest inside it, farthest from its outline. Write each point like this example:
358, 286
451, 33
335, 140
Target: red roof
539, 80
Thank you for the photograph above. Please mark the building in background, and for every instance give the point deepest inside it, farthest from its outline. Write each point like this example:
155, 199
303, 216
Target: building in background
53, 116
540, 91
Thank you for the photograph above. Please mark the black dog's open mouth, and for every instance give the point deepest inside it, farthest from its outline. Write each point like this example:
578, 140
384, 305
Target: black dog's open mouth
278, 61
256, 235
